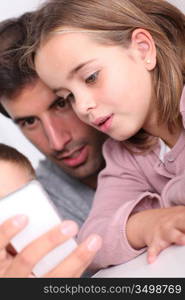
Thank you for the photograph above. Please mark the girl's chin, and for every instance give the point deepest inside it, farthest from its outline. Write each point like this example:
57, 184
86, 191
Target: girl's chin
121, 137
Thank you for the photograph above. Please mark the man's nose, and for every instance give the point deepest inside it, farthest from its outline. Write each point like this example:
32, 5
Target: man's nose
57, 133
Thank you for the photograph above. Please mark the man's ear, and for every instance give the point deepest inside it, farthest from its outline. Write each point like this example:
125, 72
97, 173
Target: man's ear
143, 42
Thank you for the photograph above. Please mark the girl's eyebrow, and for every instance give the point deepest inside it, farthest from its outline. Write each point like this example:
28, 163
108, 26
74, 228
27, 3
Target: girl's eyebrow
79, 67
73, 72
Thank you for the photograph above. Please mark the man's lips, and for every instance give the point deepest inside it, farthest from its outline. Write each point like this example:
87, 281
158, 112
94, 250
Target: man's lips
103, 123
71, 153
75, 158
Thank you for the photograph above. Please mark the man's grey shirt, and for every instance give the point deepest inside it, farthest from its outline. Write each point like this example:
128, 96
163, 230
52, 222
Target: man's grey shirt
72, 198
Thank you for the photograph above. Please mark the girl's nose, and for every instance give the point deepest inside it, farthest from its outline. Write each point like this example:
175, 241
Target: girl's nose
83, 106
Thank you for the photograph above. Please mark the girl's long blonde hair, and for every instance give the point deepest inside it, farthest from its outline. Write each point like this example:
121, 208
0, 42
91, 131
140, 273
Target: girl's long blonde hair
113, 21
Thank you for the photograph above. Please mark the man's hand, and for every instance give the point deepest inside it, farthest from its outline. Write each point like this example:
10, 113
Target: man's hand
21, 264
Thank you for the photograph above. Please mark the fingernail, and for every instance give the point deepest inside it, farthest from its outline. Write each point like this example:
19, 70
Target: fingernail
94, 243
183, 240
151, 259
69, 228
20, 220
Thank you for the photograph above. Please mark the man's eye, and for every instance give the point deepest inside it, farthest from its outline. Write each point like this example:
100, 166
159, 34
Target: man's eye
29, 122
92, 78
70, 97
61, 102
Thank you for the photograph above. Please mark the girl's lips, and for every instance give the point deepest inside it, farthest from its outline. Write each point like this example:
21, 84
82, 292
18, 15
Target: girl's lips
105, 126
77, 158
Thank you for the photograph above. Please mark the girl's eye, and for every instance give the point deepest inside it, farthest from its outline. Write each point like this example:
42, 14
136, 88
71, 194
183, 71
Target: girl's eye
92, 78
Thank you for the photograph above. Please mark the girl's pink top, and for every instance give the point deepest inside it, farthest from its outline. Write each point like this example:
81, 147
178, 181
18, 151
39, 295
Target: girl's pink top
131, 183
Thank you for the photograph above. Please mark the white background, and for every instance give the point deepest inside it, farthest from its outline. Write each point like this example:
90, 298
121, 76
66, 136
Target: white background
13, 8
9, 134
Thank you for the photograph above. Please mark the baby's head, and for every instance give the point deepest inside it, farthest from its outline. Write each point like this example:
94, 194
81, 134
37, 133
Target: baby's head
15, 170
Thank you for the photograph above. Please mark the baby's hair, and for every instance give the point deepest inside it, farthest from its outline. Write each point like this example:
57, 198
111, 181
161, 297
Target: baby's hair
10, 154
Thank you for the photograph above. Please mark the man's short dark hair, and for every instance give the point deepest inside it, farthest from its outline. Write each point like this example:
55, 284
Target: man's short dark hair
13, 77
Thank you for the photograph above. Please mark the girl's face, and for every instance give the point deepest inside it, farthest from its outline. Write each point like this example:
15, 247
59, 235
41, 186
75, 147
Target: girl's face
109, 87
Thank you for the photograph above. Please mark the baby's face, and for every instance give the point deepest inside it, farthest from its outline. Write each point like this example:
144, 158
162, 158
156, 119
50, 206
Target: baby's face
12, 177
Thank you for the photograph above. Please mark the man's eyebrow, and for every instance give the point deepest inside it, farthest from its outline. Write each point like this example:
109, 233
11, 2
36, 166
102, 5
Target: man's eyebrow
23, 118
20, 119
72, 72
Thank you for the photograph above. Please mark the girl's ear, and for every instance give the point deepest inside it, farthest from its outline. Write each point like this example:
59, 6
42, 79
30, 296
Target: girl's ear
143, 42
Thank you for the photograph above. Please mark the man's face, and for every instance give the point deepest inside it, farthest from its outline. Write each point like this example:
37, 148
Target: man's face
52, 126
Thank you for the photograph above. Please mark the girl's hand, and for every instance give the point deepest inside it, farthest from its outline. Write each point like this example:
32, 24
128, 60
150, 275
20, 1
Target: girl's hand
168, 229
157, 229
21, 264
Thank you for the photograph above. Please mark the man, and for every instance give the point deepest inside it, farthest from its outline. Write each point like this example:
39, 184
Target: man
73, 149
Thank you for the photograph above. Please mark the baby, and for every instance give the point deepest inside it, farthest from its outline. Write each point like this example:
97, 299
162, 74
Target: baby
15, 170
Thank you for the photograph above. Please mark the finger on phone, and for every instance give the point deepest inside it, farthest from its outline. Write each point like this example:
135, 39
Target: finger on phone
25, 260
76, 263
10, 228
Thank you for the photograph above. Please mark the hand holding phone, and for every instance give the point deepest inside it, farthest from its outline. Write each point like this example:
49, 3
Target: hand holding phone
33, 201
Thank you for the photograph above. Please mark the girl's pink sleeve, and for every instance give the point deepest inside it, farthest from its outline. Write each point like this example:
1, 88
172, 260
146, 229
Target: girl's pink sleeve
122, 190
174, 192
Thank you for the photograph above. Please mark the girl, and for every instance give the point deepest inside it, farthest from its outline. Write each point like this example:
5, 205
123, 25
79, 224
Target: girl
121, 65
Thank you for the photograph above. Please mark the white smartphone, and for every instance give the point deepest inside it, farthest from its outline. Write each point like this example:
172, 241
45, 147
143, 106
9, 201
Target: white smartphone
33, 201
